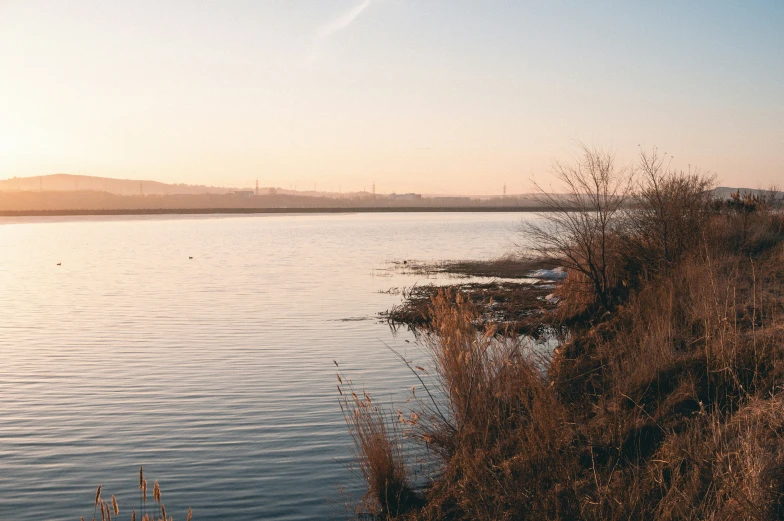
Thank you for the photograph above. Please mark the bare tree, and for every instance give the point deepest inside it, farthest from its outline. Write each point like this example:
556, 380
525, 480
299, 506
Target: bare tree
577, 228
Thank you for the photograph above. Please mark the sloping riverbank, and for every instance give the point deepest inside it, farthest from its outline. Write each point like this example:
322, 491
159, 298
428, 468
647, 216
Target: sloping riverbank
663, 400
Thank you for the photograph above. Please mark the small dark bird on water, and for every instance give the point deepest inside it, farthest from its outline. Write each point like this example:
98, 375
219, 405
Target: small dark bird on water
190, 257
59, 263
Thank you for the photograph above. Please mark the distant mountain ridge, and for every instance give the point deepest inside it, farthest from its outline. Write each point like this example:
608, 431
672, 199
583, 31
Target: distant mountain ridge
81, 183
76, 183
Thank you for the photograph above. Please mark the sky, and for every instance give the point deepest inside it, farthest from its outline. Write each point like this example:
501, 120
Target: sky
451, 97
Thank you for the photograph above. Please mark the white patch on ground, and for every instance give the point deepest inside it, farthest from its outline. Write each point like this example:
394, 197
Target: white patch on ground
554, 274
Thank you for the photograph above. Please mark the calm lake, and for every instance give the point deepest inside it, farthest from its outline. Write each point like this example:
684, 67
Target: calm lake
216, 373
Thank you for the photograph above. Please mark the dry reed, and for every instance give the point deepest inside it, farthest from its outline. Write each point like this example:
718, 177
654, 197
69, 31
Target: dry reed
109, 508
379, 455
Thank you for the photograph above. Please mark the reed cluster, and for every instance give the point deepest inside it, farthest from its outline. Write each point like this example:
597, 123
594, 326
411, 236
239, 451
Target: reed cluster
110, 510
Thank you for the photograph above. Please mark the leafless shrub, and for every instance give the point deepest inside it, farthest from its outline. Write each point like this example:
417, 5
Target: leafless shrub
669, 215
579, 227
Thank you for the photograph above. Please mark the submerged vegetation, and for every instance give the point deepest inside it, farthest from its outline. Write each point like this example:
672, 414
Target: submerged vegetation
663, 399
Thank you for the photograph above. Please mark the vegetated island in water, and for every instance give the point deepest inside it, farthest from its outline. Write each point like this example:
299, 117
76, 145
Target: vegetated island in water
664, 399
520, 291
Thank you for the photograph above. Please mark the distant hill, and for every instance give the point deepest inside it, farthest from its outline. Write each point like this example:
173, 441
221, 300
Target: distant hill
723, 192
80, 183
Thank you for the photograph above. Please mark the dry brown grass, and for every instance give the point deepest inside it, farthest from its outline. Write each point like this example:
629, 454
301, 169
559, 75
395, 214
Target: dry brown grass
379, 454
503, 432
673, 368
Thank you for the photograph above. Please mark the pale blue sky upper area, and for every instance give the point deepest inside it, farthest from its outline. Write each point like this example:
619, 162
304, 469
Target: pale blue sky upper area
427, 96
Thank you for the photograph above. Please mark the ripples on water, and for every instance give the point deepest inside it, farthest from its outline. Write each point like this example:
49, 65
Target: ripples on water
216, 372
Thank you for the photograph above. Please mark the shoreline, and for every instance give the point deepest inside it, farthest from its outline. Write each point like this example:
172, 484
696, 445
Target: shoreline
300, 210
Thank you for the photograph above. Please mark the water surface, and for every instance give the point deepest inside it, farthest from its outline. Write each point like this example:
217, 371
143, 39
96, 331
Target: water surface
216, 373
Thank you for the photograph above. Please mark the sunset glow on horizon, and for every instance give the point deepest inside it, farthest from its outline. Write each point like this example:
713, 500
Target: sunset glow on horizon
434, 97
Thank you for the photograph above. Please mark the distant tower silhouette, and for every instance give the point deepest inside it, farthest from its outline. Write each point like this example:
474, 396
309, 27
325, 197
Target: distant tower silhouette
374, 189
257, 186
504, 190
141, 188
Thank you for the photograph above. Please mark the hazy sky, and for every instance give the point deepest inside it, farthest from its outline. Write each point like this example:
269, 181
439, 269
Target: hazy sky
417, 95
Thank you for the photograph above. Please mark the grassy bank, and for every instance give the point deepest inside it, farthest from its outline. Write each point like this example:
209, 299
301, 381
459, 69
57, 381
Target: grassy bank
663, 400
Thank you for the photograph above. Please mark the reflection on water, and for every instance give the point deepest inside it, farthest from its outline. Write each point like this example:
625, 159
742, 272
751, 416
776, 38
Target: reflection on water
214, 372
